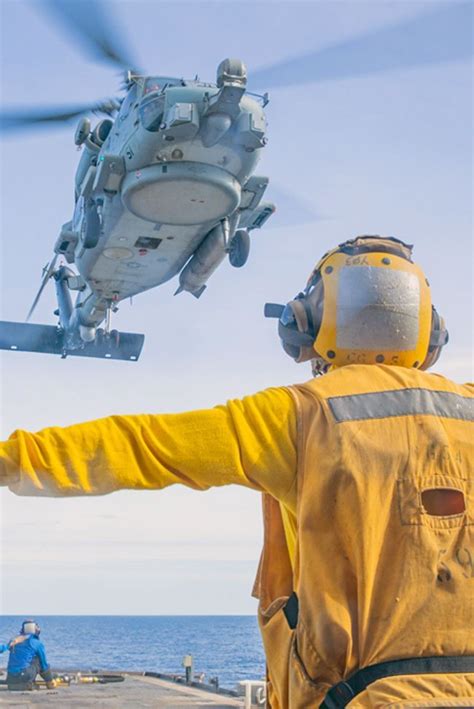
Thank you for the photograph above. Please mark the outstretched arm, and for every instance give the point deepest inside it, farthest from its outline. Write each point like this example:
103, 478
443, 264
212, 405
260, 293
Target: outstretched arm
250, 442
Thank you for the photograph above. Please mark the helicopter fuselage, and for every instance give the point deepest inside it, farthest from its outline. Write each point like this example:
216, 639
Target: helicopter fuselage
163, 189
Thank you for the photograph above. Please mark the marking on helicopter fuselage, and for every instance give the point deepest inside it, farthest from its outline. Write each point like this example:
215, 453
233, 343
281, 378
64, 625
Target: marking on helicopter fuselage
148, 242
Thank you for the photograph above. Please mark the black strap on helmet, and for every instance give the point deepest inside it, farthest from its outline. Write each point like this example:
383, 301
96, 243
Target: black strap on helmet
367, 243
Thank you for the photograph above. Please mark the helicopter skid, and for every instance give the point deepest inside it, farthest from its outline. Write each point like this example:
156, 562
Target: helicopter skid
48, 339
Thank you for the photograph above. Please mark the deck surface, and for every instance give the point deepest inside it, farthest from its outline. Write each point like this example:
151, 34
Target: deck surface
135, 691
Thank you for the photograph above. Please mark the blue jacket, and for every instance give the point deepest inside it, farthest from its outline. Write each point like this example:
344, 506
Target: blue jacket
22, 655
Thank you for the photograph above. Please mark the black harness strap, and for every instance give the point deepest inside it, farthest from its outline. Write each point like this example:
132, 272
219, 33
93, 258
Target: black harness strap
342, 693
291, 610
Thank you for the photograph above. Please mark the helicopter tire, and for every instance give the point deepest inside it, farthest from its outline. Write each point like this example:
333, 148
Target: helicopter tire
239, 248
114, 338
90, 232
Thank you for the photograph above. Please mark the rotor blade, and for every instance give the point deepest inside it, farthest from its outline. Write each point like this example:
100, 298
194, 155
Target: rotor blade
16, 120
47, 275
440, 35
11, 120
291, 209
89, 21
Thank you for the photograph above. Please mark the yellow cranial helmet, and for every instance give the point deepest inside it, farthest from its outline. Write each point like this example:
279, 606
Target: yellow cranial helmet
365, 302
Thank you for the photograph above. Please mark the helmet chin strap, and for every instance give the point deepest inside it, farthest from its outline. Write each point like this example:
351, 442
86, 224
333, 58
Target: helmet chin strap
319, 366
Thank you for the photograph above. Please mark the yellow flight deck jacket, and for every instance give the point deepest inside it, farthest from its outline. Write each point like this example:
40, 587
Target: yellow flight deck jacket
345, 462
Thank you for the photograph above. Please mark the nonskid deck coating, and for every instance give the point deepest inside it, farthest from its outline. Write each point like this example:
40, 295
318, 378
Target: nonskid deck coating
135, 691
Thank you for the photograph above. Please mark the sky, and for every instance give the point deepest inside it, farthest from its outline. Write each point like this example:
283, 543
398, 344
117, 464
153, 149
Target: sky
381, 153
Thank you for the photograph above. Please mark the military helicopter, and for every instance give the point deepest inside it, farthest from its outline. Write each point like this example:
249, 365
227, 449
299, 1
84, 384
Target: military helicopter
165, 184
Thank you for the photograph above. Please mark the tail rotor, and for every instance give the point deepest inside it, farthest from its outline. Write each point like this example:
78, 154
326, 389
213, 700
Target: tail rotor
48, 272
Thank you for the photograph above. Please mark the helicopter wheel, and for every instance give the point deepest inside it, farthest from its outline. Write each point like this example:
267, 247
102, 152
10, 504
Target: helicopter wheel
90, 231
239, 248
114, 338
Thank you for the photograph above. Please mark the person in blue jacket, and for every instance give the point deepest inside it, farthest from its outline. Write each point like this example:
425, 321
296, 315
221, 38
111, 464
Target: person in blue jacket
27, 658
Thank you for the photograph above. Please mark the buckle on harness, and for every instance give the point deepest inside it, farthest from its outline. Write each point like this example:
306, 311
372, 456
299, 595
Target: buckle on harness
344, 693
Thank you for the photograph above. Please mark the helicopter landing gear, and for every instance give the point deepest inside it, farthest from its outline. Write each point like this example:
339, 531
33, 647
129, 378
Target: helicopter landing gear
109, 338
114, 338
239, 248
90, 228
106, 334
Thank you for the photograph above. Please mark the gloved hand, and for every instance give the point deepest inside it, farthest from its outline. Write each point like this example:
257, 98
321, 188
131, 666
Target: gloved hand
51, 684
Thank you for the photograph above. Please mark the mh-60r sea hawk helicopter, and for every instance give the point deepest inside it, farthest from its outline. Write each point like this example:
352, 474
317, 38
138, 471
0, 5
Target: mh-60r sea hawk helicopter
165, 187
165, 183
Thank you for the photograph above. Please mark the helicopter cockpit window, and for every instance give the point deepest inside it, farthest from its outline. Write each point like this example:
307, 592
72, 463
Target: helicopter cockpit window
151, 111
159, 83
152, 85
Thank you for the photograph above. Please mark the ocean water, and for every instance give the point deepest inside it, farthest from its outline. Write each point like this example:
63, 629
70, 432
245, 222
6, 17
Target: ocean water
227, 647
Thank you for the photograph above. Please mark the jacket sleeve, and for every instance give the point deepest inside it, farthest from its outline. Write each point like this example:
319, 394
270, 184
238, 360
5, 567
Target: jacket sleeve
41, 654
250, 442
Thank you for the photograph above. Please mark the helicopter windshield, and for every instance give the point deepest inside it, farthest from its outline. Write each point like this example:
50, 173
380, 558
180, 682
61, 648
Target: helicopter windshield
158, 83
153, 84
151, 111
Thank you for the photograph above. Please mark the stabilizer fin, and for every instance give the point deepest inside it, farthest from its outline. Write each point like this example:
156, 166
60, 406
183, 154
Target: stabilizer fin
47, 339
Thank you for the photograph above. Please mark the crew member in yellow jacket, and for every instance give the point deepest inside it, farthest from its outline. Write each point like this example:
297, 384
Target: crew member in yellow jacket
367, 574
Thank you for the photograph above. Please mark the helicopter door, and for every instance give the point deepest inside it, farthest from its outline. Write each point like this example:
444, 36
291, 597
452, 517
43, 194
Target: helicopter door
86, 222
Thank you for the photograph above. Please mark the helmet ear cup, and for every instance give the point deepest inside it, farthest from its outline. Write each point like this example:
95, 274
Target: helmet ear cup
315, 305
294, 330
299, 322
302, 315
439, 337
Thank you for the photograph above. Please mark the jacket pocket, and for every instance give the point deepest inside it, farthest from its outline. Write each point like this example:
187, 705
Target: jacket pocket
304, 692
277, 638
412, 512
